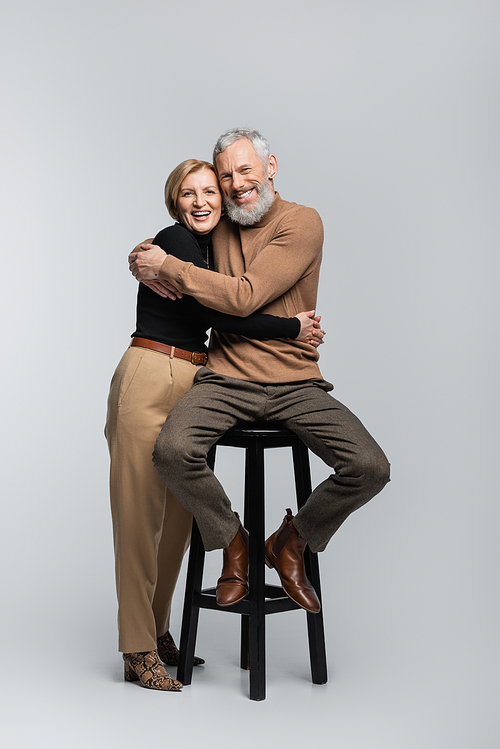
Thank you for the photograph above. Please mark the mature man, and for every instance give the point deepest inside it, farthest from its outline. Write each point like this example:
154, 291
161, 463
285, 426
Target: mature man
268, 254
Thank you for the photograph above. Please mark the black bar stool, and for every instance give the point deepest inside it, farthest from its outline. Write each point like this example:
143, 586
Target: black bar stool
262, 599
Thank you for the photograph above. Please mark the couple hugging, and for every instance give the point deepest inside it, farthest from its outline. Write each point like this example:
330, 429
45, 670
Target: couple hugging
252, 276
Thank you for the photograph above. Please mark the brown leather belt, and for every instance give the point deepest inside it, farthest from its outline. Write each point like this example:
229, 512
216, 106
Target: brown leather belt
194, 357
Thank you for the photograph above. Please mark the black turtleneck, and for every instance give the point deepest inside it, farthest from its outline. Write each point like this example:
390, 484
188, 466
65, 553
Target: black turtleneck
184, 323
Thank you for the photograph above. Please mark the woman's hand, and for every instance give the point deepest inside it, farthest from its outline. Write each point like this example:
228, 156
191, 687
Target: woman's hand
164, 289
310, 330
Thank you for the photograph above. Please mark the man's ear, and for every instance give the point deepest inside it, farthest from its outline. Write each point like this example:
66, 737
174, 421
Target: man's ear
272, 166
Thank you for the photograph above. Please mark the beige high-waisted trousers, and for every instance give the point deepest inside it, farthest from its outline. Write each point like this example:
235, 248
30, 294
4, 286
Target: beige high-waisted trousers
151, 529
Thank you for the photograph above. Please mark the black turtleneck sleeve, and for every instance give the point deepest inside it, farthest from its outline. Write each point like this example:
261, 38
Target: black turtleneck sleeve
257, 325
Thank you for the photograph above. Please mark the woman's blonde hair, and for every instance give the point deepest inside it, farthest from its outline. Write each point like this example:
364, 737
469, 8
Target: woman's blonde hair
177, 177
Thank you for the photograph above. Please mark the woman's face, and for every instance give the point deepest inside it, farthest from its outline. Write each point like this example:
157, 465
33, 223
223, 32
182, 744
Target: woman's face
200, 202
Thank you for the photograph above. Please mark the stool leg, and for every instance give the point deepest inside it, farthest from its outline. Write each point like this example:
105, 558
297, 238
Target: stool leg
191, 611
245, 619
254, 522
244, 664
315, 625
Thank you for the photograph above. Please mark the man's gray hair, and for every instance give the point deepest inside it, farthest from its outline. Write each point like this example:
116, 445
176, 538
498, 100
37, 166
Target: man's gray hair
257, 140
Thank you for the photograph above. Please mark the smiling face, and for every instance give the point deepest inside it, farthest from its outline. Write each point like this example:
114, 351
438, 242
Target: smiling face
246, 182
199, 203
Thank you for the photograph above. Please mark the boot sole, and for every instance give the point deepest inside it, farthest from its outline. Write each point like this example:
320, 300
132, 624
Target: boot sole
232, 602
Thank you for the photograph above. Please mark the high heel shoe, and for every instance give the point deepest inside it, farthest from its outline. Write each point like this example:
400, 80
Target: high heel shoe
169, 652
147, 669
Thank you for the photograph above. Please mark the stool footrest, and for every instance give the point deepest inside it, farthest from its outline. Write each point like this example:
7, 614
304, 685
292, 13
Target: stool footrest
271, 591
277, 600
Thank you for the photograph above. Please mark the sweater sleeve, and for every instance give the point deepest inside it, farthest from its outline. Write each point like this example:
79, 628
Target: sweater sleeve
292, 253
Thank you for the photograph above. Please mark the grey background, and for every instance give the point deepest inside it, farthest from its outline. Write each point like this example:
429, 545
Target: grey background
384, 115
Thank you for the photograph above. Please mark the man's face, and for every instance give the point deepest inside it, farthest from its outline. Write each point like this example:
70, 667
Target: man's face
248, 194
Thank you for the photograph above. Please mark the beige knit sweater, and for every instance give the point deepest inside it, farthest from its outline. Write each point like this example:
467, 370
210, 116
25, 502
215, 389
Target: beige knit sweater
272, 266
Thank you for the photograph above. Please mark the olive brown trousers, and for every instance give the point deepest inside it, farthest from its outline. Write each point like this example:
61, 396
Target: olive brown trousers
216, 402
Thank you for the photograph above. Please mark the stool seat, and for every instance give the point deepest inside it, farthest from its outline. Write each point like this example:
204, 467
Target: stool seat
275, 434
263, 599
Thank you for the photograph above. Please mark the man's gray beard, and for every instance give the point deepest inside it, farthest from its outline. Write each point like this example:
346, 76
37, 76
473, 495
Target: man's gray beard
245, 217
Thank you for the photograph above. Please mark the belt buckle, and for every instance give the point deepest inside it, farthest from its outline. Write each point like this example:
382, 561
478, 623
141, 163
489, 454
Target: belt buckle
193, 353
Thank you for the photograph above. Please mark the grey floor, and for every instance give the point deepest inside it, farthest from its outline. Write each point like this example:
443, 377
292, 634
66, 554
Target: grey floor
412, 650
381, 694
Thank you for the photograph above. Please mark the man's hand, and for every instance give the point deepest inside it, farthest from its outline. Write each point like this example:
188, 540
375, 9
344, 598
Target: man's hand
145, 261
310, 330
164, 289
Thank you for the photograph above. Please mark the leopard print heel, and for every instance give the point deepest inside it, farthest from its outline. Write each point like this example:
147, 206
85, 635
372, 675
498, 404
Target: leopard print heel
169, 652
129, 673
147, 669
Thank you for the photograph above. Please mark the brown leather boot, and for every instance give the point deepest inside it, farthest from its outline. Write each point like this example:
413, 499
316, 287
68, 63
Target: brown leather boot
285, 552
232, 585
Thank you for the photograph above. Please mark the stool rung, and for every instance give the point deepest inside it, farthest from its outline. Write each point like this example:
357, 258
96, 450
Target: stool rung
271, 591
275, 591
207, 601
277, 601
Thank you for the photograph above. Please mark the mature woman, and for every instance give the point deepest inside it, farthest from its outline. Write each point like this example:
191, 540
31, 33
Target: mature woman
151, 529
